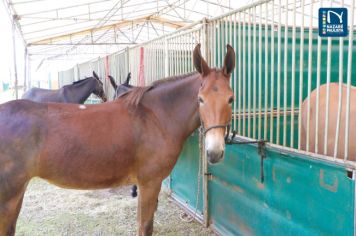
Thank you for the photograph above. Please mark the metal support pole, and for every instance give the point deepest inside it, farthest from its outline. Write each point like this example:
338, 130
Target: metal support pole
14, 55
25, 69
127, 61
29, 80
204, 161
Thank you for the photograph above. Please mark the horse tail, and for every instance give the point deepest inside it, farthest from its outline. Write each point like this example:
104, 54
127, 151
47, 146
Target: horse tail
112, 81
127, 82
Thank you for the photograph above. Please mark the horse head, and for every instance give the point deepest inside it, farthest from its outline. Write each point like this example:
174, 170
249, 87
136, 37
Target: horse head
99, 88
215, 98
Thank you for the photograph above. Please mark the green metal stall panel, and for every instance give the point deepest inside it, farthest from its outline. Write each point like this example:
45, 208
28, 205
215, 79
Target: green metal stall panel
184, 177
300, 195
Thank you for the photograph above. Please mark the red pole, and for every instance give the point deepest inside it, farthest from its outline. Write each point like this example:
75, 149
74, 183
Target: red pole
141, 73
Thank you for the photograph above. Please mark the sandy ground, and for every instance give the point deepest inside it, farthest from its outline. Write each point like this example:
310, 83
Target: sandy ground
49, 210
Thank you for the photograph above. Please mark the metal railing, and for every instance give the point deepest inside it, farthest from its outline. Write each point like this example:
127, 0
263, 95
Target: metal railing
278, 65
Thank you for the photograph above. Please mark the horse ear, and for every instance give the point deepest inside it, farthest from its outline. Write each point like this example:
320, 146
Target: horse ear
199, 63
95, 76
112, 81
229, 61
127, 82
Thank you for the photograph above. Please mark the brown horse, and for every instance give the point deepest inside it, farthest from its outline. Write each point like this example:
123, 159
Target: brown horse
134, 139
332, 121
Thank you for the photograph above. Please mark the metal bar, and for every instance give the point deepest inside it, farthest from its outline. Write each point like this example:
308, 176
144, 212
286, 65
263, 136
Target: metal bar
219, 44
312, 156
254, 73
230, 35
235, 72
272, 75
25, 69
328, 68
166, 58
266, 73
15, 60
316, 127
248, 41
244, 41
213, 56
202, 148
156, 66
349, 71
185, 55
301, 76
241, 9
293, 74
181, 55
260, 74
310, 73
278, 72
239, 125
285, 70
63, 8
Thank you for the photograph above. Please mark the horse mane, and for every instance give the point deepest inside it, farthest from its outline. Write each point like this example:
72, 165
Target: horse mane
82, 80
134, 96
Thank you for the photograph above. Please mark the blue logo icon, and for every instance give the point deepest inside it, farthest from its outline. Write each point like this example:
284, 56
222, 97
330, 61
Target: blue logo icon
333, 22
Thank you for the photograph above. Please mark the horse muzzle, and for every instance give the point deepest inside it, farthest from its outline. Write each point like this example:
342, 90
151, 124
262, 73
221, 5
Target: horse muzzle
215, 147
215, 156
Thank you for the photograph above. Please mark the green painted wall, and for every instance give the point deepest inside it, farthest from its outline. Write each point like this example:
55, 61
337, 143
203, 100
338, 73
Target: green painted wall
299, 196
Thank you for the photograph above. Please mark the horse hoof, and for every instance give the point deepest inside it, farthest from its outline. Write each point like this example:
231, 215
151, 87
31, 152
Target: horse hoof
134, 191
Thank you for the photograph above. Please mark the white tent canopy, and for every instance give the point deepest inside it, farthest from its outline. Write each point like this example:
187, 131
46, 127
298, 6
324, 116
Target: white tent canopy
80, 30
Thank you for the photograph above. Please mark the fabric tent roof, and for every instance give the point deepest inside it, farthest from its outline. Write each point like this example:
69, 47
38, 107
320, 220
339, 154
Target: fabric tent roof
71, 30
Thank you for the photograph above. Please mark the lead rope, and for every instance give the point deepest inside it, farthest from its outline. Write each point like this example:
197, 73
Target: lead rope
183, 216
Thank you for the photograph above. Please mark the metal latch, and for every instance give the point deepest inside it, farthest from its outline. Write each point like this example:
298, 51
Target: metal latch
261, 145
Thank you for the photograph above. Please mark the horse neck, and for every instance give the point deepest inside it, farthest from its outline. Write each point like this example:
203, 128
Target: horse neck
81, 91
175, 104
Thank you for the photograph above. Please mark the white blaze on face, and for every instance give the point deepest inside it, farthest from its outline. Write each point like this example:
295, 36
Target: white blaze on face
214, 141
82, 107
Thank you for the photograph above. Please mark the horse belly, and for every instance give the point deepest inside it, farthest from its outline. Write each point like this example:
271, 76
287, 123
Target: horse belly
87, 172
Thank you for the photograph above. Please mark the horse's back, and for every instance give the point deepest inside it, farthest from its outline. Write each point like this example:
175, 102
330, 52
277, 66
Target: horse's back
42, 95
21, 120
319, 132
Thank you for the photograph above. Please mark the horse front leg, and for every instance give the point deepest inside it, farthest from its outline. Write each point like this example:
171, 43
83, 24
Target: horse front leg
9, 212
147, 205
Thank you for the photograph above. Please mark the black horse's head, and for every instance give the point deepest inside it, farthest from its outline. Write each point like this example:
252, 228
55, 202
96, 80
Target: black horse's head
99, 88
122, 88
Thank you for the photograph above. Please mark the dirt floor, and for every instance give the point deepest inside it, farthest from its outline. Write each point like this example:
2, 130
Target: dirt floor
49, 210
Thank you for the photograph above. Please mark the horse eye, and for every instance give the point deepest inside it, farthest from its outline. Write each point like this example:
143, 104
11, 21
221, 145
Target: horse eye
200, 100
231, 99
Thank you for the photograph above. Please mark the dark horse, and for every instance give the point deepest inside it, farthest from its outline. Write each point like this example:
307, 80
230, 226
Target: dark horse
132, 140
77, 92
122, 88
